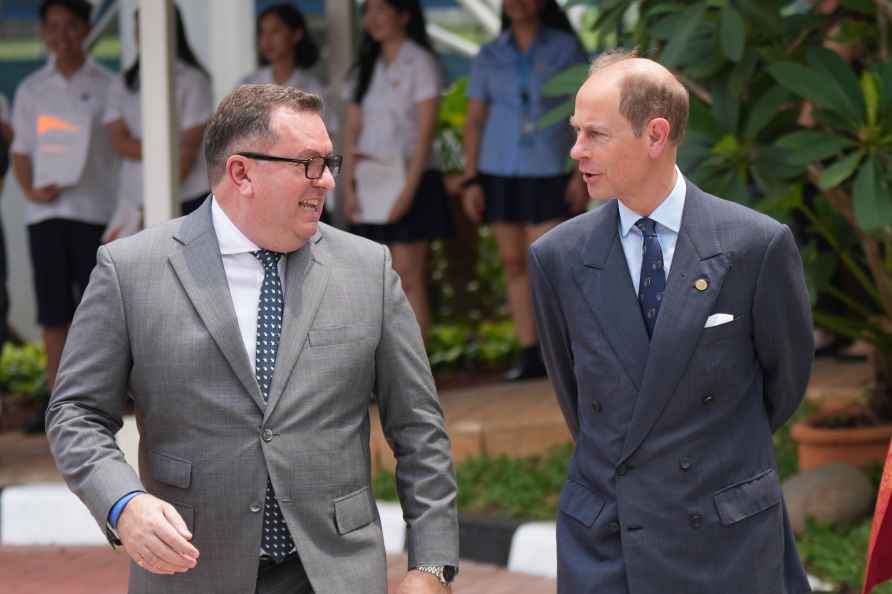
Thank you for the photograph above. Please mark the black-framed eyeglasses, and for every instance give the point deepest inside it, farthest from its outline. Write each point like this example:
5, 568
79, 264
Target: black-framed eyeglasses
314, 167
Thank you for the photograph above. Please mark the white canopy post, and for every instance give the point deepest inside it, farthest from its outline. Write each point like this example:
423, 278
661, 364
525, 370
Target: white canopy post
160, 149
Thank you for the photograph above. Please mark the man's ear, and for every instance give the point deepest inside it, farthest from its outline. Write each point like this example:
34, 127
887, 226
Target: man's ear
239, 174
657, 134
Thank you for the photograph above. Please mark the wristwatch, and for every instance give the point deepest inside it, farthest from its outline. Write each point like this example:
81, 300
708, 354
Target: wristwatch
445, 573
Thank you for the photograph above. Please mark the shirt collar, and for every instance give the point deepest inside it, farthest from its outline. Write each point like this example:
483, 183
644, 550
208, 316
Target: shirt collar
506, 38
668, 213
86, 68
229, 237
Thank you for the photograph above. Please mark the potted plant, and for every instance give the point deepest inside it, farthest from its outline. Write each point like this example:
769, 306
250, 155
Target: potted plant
791, 113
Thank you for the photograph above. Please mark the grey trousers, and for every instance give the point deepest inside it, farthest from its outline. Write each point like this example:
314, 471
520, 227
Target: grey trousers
287, 577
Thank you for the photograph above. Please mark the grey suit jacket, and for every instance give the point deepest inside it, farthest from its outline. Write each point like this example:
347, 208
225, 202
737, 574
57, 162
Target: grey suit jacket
157, 322
673, 486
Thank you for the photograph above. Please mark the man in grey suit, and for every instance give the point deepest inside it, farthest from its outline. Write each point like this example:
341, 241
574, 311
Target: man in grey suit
252, 339
676, 330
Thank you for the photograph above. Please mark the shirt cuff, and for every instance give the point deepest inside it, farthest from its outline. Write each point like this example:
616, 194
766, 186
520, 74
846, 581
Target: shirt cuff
118, 507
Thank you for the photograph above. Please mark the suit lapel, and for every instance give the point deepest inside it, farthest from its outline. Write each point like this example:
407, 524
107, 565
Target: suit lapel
306, 275
199, 267
698, 255
606, 285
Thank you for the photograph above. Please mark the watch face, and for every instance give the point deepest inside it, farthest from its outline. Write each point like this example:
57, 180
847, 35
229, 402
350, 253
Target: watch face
448, 573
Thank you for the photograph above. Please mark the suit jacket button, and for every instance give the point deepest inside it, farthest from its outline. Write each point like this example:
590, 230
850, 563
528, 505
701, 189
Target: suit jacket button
613, 526
708, 399
596, 406
267, 435
622, 469
685, 464
696, 521
255, 508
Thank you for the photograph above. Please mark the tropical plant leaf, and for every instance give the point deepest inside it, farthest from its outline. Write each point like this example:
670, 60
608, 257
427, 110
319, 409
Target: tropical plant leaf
870, 88
558, 113
764, 15
732, 33
811, 85
725, 107
840, 171
661, 9
872, 206
841, 75
691, 19
566, 82
767, 106
806, 146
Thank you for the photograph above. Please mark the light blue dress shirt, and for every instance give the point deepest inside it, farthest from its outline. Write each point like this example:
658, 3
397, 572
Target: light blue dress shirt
497, 78
668, 222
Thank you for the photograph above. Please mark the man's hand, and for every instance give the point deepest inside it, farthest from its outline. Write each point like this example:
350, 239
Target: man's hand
45, 193
418, 582
155, 536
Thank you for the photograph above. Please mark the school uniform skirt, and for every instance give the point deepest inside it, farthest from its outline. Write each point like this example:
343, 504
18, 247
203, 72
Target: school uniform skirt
524, 200
428, 217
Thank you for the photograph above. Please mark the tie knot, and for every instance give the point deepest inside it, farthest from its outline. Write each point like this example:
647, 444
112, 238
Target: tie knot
267, 258
647, 226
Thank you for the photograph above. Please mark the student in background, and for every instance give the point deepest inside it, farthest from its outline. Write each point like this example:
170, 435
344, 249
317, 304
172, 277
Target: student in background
516, 172
286, 50
123, 118
393, 115
65, 165
6, 135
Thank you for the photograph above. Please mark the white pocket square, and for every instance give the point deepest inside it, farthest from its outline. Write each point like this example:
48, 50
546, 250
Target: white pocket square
718, 320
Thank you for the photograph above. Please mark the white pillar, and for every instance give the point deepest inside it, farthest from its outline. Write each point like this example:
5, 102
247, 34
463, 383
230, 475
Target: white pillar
160, 154
231, 42
340, 41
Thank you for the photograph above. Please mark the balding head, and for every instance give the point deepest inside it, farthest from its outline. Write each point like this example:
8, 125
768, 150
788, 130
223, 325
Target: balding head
647, 91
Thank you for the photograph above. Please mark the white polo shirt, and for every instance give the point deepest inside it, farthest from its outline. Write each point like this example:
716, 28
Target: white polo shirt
4, 109
194, 107
46, 93
302, 80
389, 110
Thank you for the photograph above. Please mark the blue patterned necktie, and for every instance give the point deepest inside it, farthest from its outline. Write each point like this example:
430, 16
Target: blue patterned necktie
276, 540
652, 282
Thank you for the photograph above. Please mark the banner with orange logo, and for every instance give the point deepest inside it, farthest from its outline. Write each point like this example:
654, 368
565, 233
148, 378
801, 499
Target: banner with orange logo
879, 551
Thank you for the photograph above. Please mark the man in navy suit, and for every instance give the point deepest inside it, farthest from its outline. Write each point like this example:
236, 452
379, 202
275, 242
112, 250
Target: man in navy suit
677, 332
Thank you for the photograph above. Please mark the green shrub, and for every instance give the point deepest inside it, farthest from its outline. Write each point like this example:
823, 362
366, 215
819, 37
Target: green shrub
23, 372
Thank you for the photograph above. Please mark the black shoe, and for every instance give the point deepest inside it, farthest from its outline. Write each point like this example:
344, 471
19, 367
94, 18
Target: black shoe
36, 425
529, 367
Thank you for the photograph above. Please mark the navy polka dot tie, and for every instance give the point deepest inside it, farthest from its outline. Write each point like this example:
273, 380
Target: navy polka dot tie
652, 282
276, 540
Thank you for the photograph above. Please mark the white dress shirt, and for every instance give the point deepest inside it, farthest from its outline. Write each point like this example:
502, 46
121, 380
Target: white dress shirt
667, 217
244, 275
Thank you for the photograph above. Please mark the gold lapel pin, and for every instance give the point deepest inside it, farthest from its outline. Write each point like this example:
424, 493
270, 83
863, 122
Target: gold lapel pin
701, 284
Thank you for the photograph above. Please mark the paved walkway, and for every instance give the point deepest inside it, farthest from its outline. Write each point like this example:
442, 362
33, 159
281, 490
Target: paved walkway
101, 570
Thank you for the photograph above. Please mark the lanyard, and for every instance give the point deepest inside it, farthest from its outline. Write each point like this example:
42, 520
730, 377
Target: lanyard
523, 66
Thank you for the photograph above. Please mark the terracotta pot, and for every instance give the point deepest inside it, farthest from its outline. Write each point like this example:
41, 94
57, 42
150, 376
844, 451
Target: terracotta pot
851, 445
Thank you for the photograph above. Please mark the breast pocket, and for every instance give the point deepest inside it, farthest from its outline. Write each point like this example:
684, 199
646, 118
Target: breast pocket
321, 337
737, 327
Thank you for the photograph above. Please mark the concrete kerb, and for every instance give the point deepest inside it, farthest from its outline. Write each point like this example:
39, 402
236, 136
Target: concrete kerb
50, 514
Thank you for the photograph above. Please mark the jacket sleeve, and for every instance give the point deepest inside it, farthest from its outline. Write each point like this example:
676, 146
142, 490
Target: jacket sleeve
782, 328
85, 411
413, 423
555, 341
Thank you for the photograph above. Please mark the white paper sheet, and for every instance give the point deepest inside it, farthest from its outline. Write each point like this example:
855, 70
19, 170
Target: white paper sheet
378, 184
